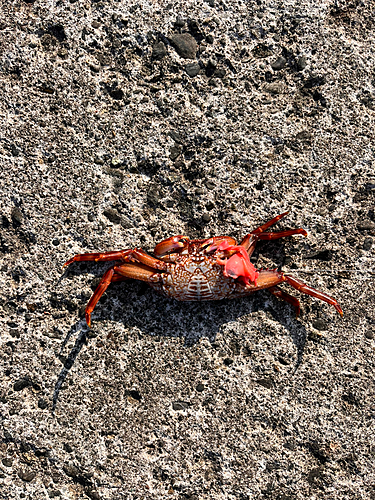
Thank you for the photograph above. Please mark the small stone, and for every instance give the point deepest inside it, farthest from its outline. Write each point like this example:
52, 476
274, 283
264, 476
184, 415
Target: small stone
180, 405
95, 67
301, 63
261, 51
153, 196
366, 226
112, 215
206, 217
279, 63
324, 255
93, 494
116, 162
54, 493
367, 244
62, 52
265, 382
71, 470
185, 45
274, 88
211, 67
135, 395
26, 476
179, 23
200, 388
7, 461
228, 361
175, 152
17, 217
176, 136
55, 242
68, 448
159, 51
100, 158
192, 69
369, 334
42, 404
15, 150
320, 325
21, 384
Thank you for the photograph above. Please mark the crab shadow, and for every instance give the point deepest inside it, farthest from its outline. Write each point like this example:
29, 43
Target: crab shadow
137, 306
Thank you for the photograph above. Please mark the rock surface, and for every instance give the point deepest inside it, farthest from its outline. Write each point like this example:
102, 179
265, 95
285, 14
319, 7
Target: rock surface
109, 142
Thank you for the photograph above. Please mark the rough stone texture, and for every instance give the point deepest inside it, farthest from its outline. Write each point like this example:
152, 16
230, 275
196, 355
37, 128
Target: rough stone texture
103, 146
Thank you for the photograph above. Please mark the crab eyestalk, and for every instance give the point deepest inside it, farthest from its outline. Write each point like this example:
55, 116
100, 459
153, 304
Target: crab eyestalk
171, 245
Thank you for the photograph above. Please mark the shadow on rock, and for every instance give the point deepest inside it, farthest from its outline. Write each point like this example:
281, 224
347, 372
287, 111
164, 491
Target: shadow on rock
136, 305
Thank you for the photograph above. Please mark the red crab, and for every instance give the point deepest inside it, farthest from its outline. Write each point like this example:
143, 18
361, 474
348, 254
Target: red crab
211, 269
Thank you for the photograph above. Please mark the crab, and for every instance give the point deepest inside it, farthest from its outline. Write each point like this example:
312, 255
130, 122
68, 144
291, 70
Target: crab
209, 269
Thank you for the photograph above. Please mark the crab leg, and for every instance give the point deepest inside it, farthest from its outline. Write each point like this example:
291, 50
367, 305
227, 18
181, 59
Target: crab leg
105, 256
136, 255
281, 234
100, 289
116, 274
268, 224
309, 290
250, 240
275, 290
269, 279
137, 272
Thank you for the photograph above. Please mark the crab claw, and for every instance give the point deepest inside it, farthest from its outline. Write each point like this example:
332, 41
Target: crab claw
238, 265
170, 245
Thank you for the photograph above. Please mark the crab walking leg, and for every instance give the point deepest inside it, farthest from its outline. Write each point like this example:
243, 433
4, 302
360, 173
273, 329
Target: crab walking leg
136, 255
270, 278
250, 240
116, 274
281, 234
139, 255
268, 224
100, 289
137, 272
302, 287
105, 256
275, 290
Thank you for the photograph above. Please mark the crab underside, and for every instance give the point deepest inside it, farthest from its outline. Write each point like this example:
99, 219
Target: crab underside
209, 269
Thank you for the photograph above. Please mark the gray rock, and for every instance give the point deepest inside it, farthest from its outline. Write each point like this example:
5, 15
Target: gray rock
279, 63
104, 147
185, 45
192, 69
159, 51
